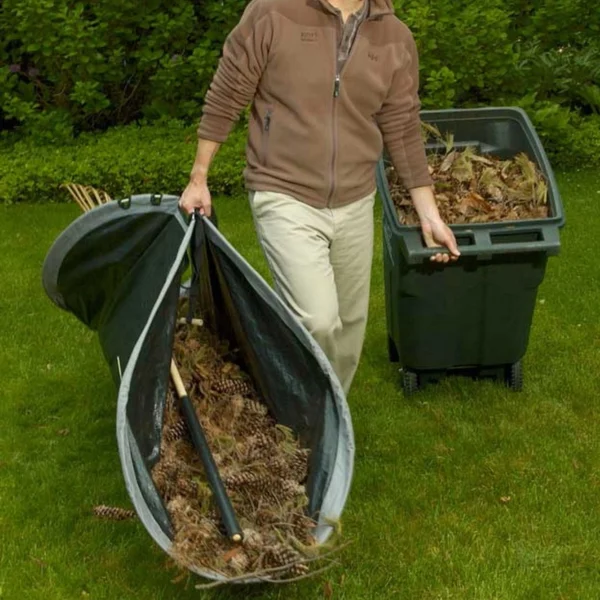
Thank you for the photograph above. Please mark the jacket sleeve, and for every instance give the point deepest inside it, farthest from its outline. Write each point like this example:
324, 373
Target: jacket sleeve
399, 120
241, 65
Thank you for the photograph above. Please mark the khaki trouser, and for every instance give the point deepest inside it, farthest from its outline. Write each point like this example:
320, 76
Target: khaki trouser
321, 260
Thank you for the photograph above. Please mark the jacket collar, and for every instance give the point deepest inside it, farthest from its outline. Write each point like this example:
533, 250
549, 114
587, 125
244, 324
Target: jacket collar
377, 8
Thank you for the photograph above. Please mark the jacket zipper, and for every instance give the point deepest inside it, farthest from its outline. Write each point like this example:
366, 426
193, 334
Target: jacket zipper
336, 92
266, 129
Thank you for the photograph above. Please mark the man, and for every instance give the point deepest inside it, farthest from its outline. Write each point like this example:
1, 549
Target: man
330, 82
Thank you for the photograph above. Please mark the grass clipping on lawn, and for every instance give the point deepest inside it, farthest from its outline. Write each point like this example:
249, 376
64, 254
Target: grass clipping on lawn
262, 464
474, 188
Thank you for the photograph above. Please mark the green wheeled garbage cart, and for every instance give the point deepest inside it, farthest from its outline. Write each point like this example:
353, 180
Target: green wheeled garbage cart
473, 316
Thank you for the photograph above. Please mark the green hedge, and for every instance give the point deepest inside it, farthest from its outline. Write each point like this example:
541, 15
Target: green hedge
68, 68
158, 158
70, 65
570, 140
122, 161
477, 53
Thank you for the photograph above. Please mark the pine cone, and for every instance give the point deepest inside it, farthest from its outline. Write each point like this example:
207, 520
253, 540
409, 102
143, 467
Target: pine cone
279, 491
290, 489
303, 527
250, 424
246, 479
160, 471
281, 555
176, 432
298, 465
252, 539
164, 474
265, 516
185, 487
260, 446
278, 466
113, 513
233, 386
253, 406
298, 569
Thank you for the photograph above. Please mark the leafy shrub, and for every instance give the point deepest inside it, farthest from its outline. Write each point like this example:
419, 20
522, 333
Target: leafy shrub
570, 139
555, 23
465, 49
89, 65
123, 161
567, 76
68, 67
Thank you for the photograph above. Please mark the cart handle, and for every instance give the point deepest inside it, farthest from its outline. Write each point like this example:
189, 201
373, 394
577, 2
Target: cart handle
485, 244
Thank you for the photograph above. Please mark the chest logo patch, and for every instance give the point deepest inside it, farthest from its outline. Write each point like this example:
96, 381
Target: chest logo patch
308, 36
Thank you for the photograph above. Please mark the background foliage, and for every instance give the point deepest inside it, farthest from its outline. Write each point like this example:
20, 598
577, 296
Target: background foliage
69, 67
86, 65
122, 161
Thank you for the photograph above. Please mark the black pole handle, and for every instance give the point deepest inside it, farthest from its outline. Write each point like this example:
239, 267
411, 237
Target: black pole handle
234, 532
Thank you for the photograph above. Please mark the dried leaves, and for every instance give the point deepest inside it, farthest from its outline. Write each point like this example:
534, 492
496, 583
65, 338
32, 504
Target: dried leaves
471, 188
262, 465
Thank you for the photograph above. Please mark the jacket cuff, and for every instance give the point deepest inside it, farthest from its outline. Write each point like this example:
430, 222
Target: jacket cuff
420, 180
215, 128
412, 165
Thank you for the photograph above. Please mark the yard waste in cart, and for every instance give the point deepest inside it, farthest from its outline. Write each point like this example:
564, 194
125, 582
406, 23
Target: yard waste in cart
247, 364
473, 316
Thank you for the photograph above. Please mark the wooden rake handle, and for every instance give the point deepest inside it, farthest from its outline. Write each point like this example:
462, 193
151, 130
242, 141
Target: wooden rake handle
230, 522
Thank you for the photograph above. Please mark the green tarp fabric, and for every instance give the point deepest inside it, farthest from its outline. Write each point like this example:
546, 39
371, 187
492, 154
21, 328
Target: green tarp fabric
119, 270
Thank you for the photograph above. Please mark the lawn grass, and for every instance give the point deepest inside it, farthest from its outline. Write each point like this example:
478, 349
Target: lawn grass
465, 490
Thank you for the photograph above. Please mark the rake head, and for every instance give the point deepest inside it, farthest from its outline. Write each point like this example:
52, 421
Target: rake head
86, 196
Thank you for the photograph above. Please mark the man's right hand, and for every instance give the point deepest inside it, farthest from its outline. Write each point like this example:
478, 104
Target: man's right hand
196, 195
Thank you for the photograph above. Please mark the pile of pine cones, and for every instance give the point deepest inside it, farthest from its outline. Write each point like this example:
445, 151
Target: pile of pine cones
262, 464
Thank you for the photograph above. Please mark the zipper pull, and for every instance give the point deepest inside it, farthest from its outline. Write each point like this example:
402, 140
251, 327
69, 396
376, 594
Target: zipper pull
336, 87
267, 121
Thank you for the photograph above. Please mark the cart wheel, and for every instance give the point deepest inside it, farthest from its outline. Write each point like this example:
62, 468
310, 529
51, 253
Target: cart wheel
410, 382
514, 376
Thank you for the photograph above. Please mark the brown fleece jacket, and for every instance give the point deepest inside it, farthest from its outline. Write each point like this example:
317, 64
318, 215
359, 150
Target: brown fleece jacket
314, 133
